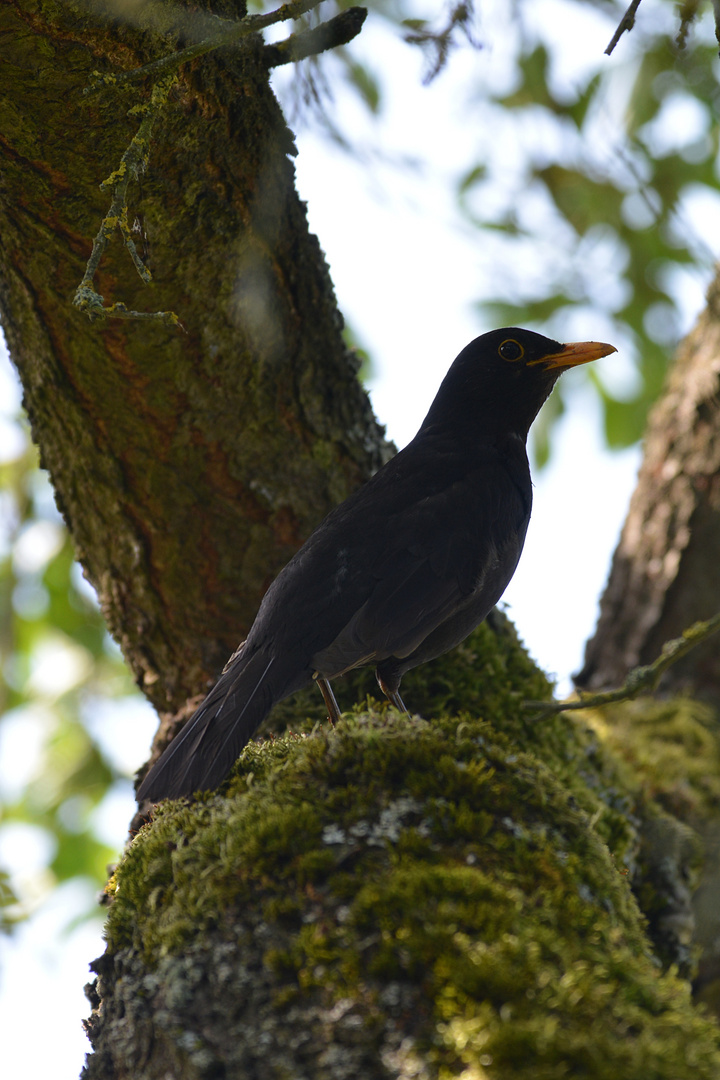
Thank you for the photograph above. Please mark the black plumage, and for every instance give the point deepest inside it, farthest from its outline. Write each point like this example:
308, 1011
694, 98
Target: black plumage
400, 572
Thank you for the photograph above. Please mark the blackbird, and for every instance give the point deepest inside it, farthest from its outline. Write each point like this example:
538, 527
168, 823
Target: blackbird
401, 571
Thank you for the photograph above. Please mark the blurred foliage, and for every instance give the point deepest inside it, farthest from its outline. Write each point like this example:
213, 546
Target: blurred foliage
627, 162
365, 367
56, 664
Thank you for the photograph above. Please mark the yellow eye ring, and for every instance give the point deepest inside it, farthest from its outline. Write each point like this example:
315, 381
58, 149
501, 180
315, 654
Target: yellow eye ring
510, 349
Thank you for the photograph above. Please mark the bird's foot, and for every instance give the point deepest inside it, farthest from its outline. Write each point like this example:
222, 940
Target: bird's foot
330, 703
393, 696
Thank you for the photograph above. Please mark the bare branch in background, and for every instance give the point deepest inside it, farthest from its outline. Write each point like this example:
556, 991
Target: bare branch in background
639, 679
626, 23
328, 35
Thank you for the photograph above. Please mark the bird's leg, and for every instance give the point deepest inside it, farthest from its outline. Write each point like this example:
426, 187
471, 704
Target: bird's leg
330, 703
393, 696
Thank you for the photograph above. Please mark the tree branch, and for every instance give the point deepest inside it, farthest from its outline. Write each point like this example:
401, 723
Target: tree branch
441, 41
688, 11
645, 677
336, 31
626, 23
229, 32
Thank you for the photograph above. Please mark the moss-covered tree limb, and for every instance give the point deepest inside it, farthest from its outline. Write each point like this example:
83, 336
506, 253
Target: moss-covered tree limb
189, 467
404, 897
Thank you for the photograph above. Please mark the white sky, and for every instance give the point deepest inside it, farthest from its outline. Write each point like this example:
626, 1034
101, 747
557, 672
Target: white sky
407, 276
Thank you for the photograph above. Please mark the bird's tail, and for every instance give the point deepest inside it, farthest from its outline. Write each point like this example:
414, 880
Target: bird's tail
202, 755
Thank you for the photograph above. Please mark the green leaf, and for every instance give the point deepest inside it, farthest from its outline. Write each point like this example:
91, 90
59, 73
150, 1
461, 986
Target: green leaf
471, 178
366, 84
533, 89
582, 201
542, 429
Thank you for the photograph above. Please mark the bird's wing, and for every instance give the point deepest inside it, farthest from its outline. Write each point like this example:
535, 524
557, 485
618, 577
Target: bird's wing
433, 556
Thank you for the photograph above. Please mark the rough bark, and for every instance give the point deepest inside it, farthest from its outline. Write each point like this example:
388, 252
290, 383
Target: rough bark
665, 573
188, 465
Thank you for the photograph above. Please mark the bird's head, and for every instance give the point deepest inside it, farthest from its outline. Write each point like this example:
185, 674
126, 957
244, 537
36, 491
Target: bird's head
501, 379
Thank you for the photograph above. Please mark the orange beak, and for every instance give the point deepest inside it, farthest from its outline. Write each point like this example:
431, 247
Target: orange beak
577, 352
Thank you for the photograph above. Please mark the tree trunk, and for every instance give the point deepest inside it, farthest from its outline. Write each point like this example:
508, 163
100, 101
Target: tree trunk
665, 573
189, 465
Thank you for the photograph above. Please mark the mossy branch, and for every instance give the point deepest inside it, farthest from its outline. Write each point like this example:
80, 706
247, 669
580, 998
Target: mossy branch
229, 32
641, 679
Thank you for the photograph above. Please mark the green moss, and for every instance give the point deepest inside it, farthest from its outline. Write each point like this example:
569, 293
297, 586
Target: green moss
669, 752
672, 748
458, 864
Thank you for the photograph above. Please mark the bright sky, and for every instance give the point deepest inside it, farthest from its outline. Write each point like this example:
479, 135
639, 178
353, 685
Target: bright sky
407, 276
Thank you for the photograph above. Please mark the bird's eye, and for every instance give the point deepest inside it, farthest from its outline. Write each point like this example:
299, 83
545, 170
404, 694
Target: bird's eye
511, 350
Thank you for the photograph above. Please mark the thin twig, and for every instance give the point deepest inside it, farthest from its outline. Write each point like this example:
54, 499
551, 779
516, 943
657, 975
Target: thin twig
460, 16
92, 304
133, 162
688, 11
626, 23
640, 679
